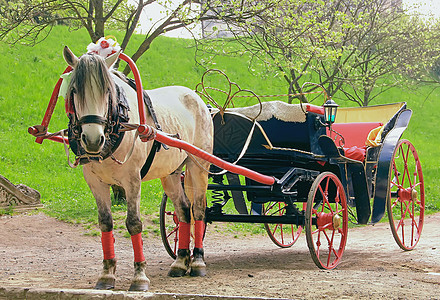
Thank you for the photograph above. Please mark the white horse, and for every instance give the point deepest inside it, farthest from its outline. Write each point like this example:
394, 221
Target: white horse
92, 92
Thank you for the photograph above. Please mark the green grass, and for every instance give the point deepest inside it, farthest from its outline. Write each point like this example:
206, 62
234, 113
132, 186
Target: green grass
28, 76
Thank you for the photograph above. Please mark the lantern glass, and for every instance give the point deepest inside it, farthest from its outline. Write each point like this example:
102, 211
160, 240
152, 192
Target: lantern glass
330, 109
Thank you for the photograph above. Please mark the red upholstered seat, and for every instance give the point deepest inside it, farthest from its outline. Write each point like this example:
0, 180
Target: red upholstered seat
355, 135
355, 153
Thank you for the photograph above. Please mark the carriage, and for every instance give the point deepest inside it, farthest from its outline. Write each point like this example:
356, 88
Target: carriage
291, 167
330, 169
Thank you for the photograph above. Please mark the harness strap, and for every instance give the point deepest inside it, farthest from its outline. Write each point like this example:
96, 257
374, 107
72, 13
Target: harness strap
150, 158
92, 119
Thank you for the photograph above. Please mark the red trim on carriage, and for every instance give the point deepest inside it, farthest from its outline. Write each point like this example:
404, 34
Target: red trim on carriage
315, 109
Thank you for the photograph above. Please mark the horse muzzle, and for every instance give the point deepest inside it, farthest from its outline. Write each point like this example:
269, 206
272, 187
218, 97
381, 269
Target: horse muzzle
92, 133
92, 144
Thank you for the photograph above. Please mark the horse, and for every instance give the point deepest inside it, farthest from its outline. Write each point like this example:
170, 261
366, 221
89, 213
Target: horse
92, 93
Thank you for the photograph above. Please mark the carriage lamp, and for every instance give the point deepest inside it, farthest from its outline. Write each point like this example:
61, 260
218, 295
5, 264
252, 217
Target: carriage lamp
330, 108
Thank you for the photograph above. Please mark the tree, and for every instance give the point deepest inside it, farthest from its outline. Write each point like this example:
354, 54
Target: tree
287, 39
376, 53
355, 48
29, 21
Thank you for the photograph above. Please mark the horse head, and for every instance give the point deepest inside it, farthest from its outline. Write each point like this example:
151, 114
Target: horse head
92, 95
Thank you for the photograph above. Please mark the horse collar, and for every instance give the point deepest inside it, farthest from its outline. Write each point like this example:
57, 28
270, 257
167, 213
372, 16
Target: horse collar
113, 137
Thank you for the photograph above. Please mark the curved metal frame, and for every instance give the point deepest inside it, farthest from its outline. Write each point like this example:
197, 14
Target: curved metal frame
382, 187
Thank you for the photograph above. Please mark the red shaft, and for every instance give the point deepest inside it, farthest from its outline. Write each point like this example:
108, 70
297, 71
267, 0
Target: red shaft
51, 106
173, 142
139, 89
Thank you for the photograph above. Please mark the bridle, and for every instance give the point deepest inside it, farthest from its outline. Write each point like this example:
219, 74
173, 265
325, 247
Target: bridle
116, 115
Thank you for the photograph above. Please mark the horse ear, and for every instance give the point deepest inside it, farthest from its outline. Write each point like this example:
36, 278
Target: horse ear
112, 59
69, 57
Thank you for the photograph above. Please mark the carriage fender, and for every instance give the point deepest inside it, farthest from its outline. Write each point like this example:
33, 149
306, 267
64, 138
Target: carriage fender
382, 186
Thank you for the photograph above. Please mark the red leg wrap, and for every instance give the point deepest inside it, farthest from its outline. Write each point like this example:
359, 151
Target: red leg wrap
184, 235
138, 250
108, 244
199, 232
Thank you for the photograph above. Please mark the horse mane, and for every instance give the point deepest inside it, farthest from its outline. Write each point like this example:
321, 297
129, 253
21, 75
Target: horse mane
91, 73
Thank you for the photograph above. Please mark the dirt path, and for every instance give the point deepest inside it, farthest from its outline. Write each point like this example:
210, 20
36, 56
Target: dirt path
39, 251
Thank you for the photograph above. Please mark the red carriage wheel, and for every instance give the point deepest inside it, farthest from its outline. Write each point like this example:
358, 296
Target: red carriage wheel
169, 226
406, 202
283, 235
326, 221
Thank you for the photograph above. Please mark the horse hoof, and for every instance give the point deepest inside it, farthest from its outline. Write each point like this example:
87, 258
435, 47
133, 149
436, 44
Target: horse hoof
198, 266
139, 287
106, 284
181, 265
198, 272
176, 272
140, 282
108, 278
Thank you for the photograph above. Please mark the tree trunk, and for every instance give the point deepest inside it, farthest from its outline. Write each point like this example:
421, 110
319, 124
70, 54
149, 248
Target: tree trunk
99, 19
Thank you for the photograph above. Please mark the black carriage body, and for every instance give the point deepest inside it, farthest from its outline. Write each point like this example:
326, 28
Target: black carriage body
296, 152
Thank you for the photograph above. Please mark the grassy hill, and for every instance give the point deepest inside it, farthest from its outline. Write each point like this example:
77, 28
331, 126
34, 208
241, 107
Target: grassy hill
28, 76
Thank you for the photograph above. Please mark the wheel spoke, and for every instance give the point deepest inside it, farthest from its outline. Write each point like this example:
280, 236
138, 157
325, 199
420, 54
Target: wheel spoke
173, 232
394, 184
395, 203
324, 196
282, 234
318, 243
275, 228
330, 247
396, 175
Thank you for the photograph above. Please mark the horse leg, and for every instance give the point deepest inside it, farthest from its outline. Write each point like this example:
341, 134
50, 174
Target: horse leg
196, 182
173, 188
101, 192
140, 281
